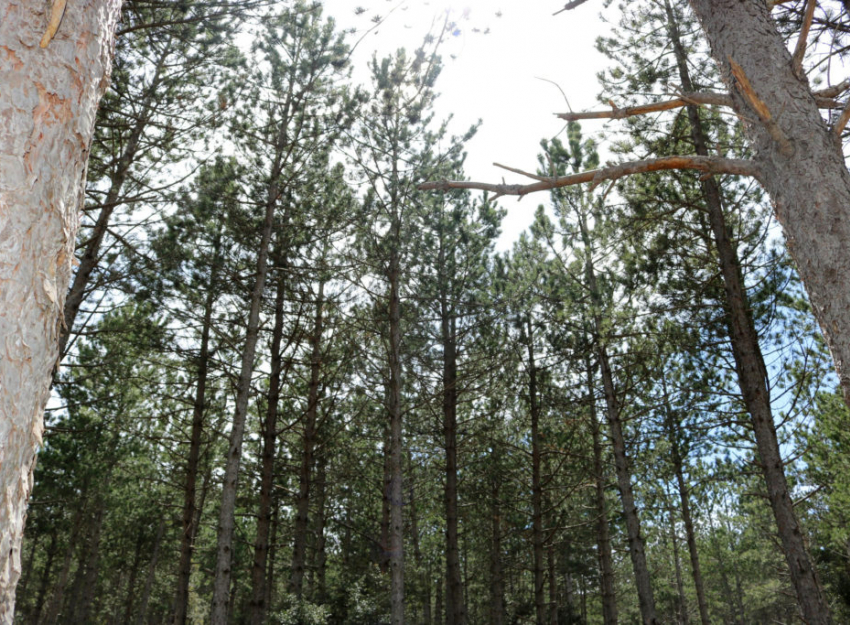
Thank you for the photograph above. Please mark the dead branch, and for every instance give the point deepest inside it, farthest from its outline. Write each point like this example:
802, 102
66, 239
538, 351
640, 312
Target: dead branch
802, 40
825, 98
841, 123
707, 164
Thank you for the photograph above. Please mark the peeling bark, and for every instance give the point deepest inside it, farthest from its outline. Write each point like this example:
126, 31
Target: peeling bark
47, 111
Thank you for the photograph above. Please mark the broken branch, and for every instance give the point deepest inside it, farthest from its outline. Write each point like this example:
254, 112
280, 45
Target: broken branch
800, 48
570, 6
56, 13
707, 164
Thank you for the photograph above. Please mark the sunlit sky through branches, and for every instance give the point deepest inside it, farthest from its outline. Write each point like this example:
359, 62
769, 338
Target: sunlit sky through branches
504, 64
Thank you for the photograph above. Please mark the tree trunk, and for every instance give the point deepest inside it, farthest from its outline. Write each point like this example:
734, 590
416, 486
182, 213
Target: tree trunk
536, 489
603, 534
308, 443
226, 521
54, 606
394, 409
803, 170
672, 428
43, 583
813, 227
269, 434
439, 611
141, 616
321, 556
680, 584
553, 584
90, 258
497, 582
90, 566
189, 526
455, 613
47, 110
131, 582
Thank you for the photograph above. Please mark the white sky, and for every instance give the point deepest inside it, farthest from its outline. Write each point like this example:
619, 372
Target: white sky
494, 76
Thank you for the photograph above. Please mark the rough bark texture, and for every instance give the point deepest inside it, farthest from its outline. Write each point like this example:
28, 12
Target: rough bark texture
752, 373
141, 615
47, 111
603, 532
804, 172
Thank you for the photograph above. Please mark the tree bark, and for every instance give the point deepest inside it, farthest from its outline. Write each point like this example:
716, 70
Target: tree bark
553, 584
43, 583
680, 584
497, 582
189, 526
603, 532
396, 450
308, 443
269, 434
47, 110
455, 609
821, 228
226, 522
142, 614
536, 489
637, 548
804, 171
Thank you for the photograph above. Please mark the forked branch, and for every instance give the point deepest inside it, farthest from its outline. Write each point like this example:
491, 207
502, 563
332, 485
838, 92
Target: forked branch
709, 165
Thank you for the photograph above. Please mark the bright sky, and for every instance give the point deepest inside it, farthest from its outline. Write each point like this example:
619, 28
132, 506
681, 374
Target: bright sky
495, 77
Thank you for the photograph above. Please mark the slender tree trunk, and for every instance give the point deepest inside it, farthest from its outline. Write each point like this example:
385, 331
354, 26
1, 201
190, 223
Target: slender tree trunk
308, 442
131, 582
455, 613
26, 576
417, 551
189, 526
384, 554
812, 198
553, 584
394, 409
497, 582
54, 606
536, 489
142, 614
90, 565
603, 535
680, 584
269, 434
321, 556
43, 583
91, 256
271, 559
637, 548
672, 428
47, 109
439, 612
226, 522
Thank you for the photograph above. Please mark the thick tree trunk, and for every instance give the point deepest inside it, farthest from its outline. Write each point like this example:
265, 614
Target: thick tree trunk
226, 521
804, 171
308, 443
269, 435
396, 450
603, 533
815, 153
189, 526
47, 109
536, 489
455, 609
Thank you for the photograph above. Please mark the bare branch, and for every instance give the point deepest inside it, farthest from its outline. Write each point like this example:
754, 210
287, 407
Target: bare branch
570, 6
834, 91
706, 98
707, 164
800, 48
